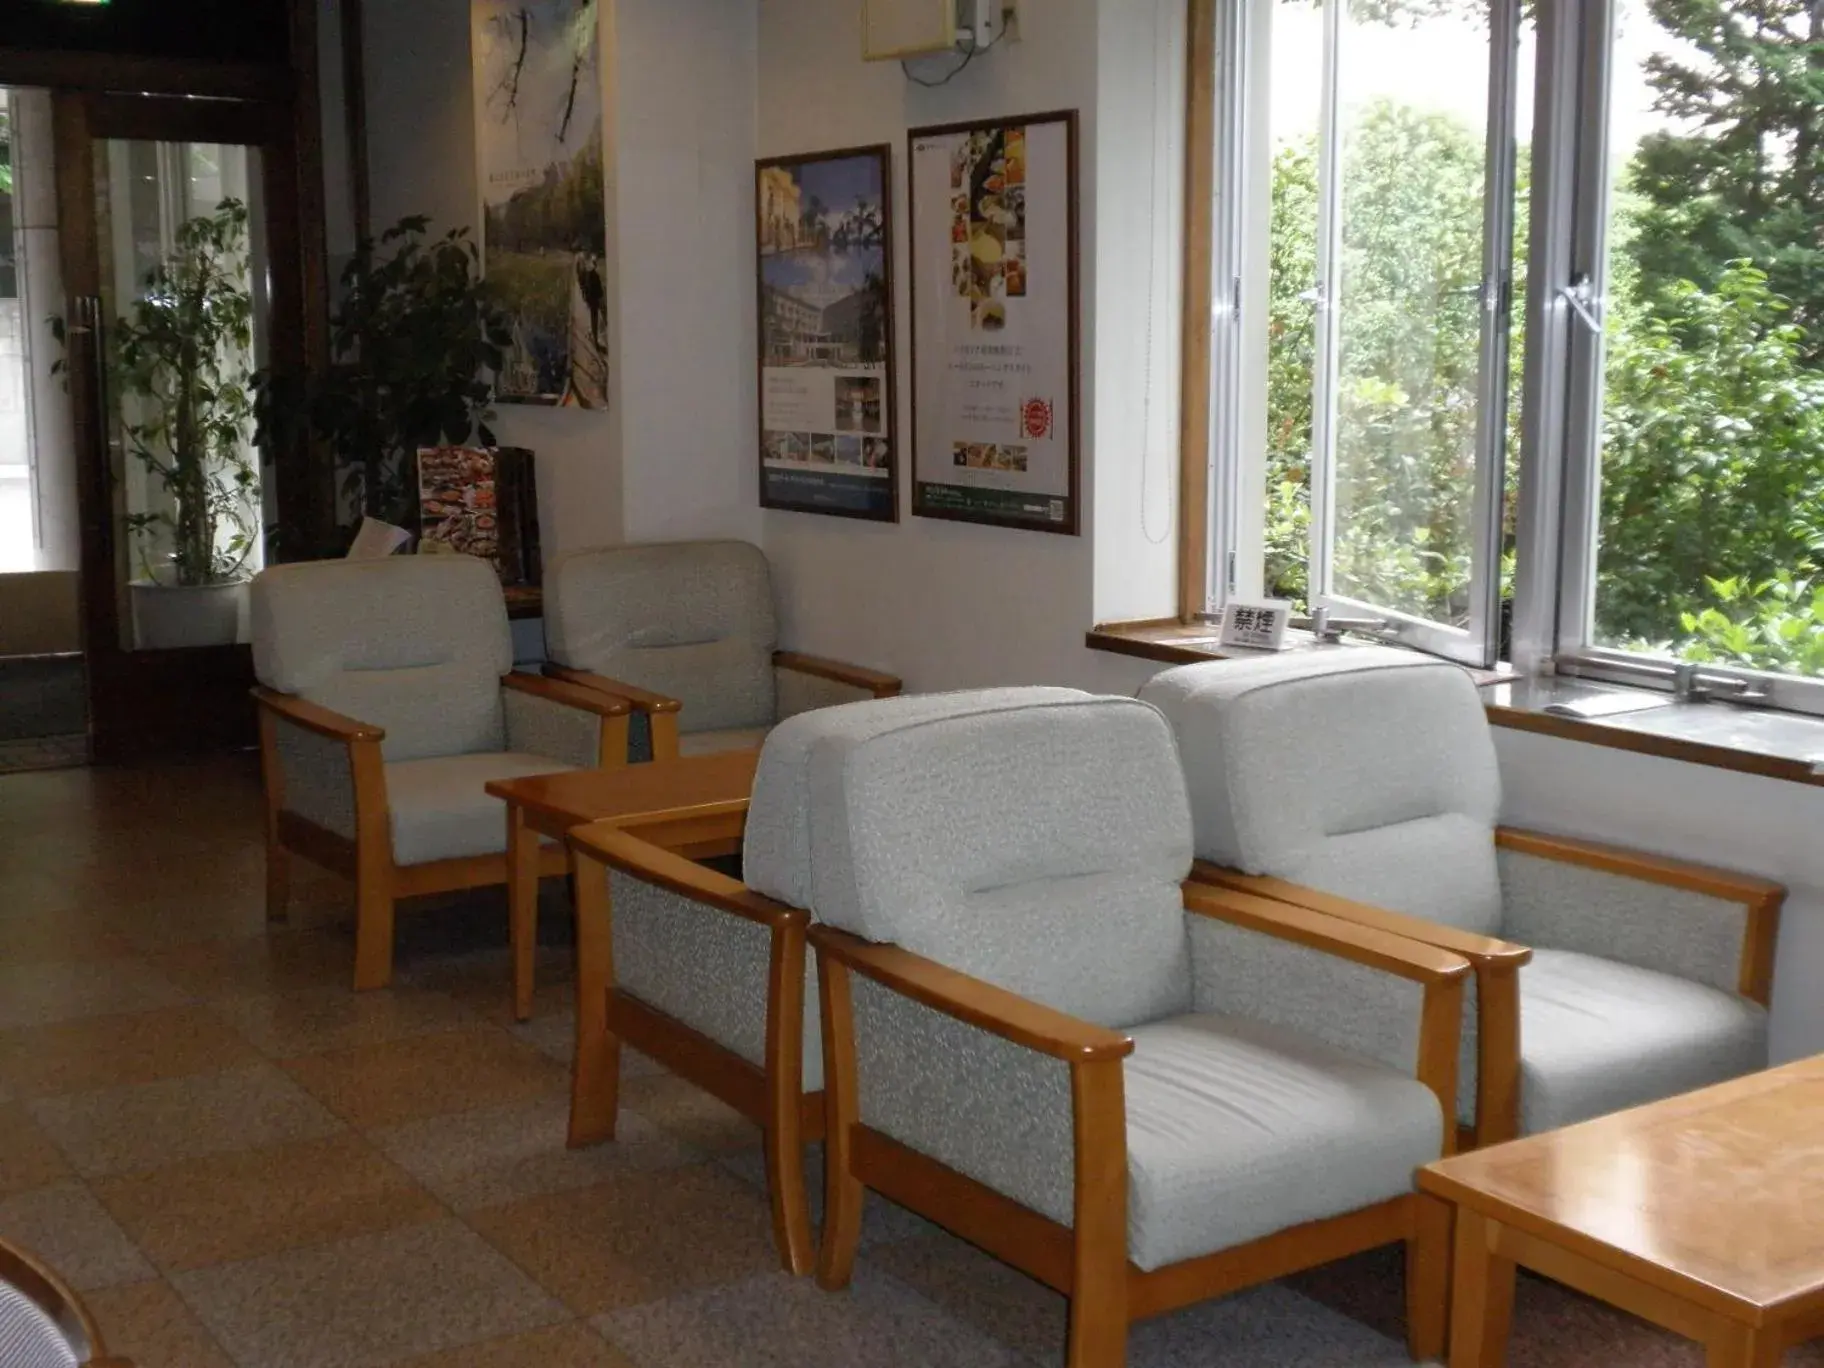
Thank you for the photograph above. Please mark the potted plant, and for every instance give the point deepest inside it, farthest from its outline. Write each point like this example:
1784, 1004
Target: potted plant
416, 337
180, 362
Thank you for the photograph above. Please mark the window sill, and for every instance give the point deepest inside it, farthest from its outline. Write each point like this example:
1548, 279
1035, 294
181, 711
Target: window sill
1771, 745
1172, 642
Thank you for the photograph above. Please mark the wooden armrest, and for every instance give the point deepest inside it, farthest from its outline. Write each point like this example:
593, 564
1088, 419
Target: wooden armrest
1635, 864
1351, 940
970, 1000
611, 844
570, 695
643, 700
874, 681
1486, 953
322, 721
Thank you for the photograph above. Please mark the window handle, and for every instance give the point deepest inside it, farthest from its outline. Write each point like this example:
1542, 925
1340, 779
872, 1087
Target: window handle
1584, 302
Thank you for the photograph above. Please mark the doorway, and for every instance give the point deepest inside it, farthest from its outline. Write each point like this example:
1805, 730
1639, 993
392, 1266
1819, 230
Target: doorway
43, 685
179, 247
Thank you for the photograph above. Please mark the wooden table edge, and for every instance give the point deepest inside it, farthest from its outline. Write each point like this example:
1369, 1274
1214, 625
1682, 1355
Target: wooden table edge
1615, 1259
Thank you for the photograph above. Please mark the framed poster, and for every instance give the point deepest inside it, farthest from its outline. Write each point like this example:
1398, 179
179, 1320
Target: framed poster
544, 231
994, 322
828, 419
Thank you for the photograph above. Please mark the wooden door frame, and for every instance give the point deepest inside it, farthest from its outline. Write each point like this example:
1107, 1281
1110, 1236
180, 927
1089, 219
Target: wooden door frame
148, 703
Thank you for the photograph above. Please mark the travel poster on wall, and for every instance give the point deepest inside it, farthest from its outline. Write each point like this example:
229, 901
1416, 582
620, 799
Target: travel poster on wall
827, 413
544, 234
994, 322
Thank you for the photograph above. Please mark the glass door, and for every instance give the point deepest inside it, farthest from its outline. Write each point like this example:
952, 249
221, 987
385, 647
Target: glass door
180, 261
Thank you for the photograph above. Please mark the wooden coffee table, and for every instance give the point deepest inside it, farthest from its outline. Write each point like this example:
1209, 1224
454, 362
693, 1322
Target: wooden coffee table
1703, 1214
696, 805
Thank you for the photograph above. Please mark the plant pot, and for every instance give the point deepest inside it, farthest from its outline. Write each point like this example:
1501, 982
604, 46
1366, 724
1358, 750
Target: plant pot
170, 616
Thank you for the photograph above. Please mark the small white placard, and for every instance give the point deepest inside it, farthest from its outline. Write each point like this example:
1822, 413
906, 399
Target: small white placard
377, 539
1259, 626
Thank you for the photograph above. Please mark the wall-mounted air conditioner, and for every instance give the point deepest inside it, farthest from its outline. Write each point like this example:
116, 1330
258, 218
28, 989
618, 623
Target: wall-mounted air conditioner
893, 30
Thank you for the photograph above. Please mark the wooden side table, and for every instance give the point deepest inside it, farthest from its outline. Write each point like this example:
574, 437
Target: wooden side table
696, 805
1700, 1214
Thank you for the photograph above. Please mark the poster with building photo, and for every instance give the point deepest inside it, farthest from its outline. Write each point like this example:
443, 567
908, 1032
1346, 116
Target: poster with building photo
825, 263
994, 322
544, 234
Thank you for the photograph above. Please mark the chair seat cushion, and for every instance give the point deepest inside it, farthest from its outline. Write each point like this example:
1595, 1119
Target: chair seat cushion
441, 811
1236, 1129
1597, 1035
727, 739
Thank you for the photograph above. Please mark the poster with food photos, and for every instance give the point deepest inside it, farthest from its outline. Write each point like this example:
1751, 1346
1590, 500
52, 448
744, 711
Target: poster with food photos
825, 278
994, 322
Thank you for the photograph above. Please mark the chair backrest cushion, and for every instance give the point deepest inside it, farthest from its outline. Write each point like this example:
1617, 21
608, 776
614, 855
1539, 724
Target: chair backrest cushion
414, 644
1033, 837
1366, 772
693, 620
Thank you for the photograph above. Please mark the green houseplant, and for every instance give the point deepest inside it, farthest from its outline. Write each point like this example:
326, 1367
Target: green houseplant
416, 337
180, 364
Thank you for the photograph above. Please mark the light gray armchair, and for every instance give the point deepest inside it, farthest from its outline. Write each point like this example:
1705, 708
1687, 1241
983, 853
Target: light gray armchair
686, 632
1362, 782
1141, 1092
387, 702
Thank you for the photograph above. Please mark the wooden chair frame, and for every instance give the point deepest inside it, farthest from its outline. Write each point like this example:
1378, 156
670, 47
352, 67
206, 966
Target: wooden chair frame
662, 711
1087, 1261
1497, 963
368, 858
43, 1286
655, 850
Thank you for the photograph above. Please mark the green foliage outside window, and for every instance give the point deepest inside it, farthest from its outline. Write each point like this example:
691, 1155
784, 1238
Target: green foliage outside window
1711, 531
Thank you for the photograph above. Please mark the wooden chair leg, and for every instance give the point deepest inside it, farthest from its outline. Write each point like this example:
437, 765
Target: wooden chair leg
373, 924
1482, 1295
1428, 1278
595, 1072
842, 1191
791, 1202
1097, 1335
522, 906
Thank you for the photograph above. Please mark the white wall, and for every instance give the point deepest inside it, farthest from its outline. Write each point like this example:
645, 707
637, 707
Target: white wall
951, 604
683, 89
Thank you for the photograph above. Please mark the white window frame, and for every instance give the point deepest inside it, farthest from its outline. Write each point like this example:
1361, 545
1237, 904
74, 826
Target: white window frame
1561, 446
1238, 353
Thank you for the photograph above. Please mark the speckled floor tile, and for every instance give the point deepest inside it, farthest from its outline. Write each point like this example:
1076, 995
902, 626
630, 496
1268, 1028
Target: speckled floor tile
372, 1299
150, 1125
240, 1206
882, 1221
974, 1287
689, 1113
74, 935
317, 1020
108, 1051
69, 1230
778, 1321
402, 1080
565, 1346
39, 994
278, 961
637, 1237
149, 1324
502, 1154
28, 1159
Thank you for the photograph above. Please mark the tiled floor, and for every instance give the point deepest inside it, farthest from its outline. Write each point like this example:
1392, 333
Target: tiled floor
244, 1165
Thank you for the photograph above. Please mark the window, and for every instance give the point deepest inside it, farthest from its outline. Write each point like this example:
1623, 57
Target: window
1530, 329
1366, 200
